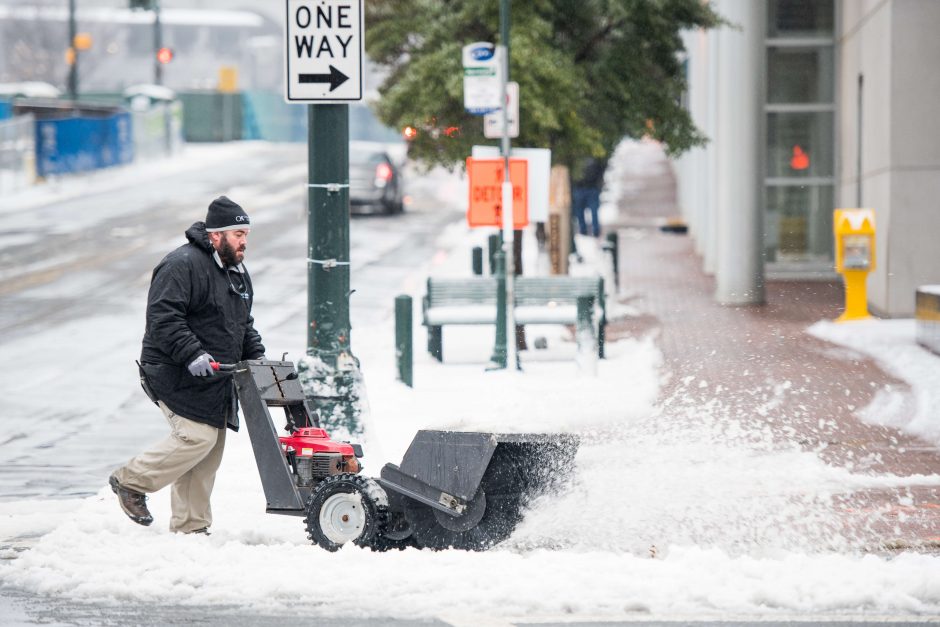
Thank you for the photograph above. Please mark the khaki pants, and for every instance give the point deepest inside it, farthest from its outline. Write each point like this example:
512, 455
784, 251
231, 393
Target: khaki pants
189, 459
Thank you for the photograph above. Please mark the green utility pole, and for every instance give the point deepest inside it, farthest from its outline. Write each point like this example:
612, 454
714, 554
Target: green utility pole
331, 370
509, 233
498, 358
157, 44
329, 79
73, 56
152, 5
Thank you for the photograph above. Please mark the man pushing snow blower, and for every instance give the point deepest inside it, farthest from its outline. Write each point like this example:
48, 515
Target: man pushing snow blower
198, 309
452, 489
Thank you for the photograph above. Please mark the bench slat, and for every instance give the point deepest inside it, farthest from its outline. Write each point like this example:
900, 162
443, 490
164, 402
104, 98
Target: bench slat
531, 290
536, 300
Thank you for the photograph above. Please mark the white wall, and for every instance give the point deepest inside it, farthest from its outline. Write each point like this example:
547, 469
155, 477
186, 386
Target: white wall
895, 45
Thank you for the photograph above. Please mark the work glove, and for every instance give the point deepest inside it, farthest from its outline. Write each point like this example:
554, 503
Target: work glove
201, 366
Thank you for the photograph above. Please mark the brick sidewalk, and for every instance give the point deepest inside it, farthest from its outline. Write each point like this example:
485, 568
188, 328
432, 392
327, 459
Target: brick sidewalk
763, 367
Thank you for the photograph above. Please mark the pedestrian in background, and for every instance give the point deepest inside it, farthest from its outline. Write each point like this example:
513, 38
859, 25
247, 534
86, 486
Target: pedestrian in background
198, 312
586, 194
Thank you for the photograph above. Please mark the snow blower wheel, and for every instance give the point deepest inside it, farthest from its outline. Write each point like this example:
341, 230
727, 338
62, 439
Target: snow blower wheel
346, 508
396, 536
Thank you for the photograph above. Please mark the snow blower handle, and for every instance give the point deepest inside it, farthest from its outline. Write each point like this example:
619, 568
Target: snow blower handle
222, 367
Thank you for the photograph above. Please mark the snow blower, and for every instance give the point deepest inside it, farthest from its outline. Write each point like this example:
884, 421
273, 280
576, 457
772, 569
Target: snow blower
457, 490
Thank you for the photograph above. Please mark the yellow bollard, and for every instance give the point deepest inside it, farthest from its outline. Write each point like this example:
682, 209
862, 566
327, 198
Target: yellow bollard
855, 258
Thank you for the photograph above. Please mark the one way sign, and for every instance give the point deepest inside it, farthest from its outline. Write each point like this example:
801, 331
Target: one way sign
324, 50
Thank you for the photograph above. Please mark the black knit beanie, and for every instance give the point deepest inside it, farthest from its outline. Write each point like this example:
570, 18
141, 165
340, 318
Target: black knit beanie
225, 215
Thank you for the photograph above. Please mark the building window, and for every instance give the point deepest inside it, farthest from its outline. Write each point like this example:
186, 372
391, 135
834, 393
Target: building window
800, 121
800, 18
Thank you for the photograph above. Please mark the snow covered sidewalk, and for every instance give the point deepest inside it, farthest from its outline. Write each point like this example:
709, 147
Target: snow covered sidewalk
661, 519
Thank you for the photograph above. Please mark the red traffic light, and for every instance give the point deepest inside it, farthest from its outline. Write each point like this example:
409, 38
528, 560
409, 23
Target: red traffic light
409, 132
800, 160
164, 55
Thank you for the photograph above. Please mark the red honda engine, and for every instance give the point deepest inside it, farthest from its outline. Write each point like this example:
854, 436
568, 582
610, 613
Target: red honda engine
313, 456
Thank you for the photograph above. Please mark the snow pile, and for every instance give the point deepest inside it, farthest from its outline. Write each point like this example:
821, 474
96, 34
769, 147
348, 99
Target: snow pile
892, 343
697, 476
269, 570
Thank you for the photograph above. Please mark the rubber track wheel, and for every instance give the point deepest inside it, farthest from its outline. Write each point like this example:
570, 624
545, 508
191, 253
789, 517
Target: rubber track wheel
374, 508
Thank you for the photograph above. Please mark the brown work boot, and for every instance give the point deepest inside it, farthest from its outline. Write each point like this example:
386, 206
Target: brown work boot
133, 503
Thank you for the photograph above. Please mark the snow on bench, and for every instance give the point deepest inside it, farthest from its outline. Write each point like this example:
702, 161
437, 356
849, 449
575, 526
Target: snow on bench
538, 300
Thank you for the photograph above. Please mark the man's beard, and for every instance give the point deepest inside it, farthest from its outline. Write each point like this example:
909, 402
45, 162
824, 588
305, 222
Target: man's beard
228, 254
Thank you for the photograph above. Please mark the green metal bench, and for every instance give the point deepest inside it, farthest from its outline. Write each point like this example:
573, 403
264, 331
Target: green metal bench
538, 300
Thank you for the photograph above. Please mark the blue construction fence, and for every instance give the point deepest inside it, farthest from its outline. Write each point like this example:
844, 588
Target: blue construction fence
77, 136
80, 144
98, 131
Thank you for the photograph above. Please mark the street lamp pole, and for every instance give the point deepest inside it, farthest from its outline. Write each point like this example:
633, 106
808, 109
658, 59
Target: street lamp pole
72, 54
157, 44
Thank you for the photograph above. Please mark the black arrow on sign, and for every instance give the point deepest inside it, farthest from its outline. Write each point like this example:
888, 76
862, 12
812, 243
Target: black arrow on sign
335, 78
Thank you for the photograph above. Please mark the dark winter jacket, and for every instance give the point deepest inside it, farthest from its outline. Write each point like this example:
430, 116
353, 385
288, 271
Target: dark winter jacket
592, 173
196, 306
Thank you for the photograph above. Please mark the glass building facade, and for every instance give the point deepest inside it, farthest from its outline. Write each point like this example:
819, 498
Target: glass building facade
799, 109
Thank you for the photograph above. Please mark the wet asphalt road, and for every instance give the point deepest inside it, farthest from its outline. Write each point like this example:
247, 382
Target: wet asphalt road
18, 609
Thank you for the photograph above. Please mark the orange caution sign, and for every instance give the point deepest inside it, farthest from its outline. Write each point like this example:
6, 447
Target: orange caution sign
485, 207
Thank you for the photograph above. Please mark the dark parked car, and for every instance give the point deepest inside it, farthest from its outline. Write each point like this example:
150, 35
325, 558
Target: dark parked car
374, 179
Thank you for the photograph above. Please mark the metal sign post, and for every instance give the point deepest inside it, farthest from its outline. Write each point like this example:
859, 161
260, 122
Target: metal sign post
157, 44
72, 56
324, 67
508, 221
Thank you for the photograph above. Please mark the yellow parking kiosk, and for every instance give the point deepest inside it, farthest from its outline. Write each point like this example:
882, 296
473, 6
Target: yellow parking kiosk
855, 258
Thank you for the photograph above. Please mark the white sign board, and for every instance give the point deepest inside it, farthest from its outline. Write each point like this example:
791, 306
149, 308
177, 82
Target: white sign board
539, 172
325, 40
482, 71
493, 122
